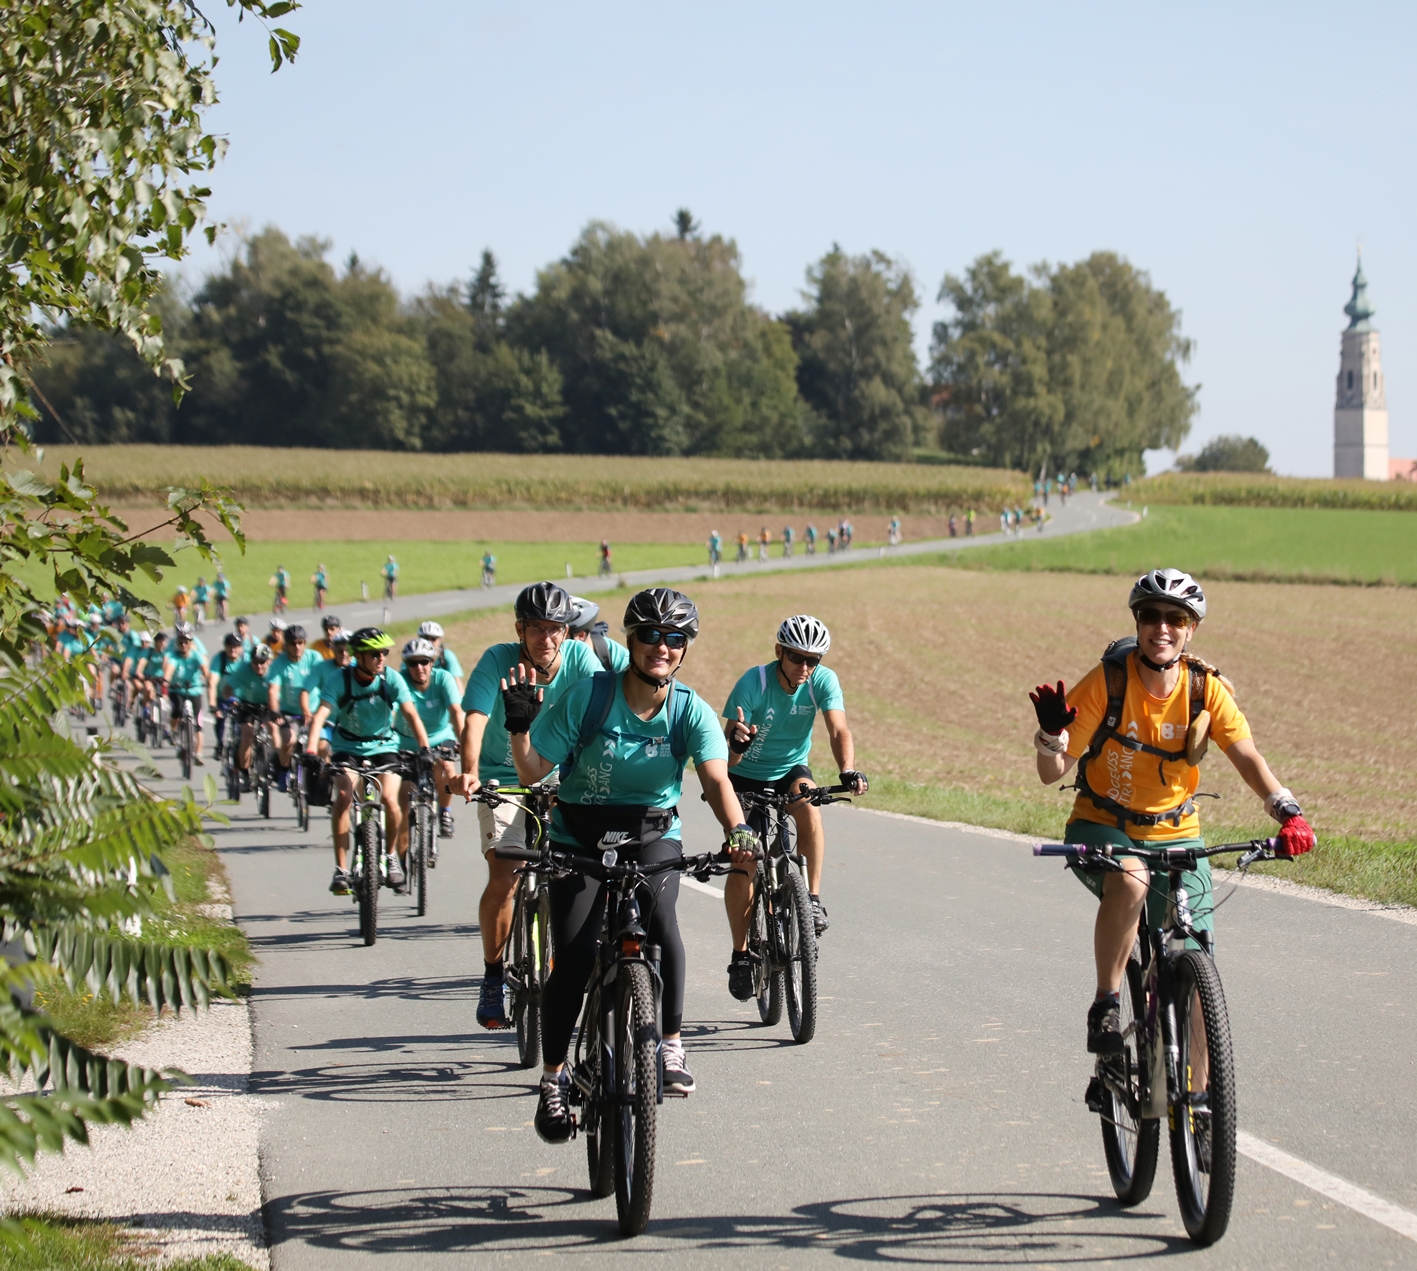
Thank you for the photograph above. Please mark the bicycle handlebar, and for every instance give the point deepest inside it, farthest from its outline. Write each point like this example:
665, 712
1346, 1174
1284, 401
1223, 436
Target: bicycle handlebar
704, 864
1169, 857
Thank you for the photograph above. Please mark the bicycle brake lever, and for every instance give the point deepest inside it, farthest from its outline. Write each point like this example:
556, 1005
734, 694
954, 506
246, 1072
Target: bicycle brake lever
1249, 858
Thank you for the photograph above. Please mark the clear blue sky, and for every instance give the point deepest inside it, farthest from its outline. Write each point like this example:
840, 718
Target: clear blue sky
1237, 153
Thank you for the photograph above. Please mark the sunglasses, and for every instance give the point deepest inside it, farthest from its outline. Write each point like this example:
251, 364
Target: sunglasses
801, 659
655, 636
1171, 617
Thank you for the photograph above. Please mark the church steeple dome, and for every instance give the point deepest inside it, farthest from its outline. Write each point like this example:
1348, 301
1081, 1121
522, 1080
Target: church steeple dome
1359, 309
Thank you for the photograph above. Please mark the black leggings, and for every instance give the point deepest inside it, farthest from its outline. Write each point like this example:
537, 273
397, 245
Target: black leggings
576, 906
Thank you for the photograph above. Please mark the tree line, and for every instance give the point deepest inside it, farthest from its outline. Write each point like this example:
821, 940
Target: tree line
648, 345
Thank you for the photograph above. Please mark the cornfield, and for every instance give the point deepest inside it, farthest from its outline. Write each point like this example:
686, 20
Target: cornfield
271, 477
1244, 489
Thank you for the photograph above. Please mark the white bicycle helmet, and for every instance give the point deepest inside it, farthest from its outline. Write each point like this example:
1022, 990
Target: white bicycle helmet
1174, 585
431, 631
419, 649
278, 624
804, 633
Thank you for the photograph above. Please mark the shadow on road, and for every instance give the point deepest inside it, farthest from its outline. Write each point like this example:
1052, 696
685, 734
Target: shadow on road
458, 1080
1005, 1228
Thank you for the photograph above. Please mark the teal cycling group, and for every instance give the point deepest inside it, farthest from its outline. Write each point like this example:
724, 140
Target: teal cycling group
1134, 731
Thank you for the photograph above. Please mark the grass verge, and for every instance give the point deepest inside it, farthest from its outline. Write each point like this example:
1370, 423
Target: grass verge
197, 875
274, 477
1289, 545
60, 1243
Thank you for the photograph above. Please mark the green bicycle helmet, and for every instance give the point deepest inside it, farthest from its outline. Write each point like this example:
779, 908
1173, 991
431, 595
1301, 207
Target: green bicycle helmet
370, 640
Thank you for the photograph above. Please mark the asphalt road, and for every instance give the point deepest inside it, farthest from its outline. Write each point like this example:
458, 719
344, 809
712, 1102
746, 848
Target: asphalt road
936, 1118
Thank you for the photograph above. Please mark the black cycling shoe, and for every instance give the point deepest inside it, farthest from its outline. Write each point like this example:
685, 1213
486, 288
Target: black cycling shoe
445, 823
339, 884
492, 1003
819, 915
740, 976
553, 1118
1104, 1026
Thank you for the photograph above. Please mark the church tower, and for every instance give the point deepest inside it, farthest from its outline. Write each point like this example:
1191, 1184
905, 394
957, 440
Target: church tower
1360, 408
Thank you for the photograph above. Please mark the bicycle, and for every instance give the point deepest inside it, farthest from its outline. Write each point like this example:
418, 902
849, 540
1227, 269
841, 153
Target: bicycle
299, 792
118, 699
368, 864
782, 935
527, 960
423, 826
186, 738
145, 725
617, 1075
1174, 1021
262, 751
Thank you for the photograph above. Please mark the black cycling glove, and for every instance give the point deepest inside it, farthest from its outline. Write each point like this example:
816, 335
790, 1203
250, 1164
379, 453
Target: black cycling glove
522, 703
1051, 706
856, 780
740, 747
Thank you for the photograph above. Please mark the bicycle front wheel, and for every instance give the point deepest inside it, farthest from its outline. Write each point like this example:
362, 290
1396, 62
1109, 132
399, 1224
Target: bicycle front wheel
1130, 1143
801, 972
526, 1013
369, 877
185, 745
1203, 1117
636, 1096
425, 854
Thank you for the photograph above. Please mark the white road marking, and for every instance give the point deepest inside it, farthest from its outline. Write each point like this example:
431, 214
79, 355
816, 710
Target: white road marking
1356, 1198
698, 886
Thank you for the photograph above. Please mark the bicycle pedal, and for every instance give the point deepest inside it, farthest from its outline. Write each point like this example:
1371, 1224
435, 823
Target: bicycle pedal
1093, 1097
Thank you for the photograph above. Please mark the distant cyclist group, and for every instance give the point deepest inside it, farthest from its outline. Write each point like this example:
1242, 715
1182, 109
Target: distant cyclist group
573, 745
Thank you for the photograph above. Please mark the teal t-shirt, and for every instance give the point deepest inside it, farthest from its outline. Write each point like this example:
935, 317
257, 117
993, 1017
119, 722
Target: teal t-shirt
448, 661
246, 685
222, 588
151, 666
432, 705
484, 694
631, 762
784, 720
130, 645
365, 724
184, 674
201, 593
295, 677
221, 668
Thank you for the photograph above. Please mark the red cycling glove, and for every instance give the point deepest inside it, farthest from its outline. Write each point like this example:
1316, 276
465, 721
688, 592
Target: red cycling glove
1295, 837
1051, 706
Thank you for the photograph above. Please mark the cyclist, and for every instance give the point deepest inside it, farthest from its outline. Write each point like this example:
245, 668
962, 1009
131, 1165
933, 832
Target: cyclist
150, 673
324, 646
221, 589
290, 680
1137, 786
339, 646
436, 695
280, 580
715, 547
201, 595
185, 671
223, 662
587, 627
764, 538
811, 540
180, 601
128, 645
246, 682
742, 546
489, 569
133, 666
321, 582
604, 567
542, 650
444, 658
631, 783
70, 641
360, 700
769, 718
391, 578
242, 627
787, 542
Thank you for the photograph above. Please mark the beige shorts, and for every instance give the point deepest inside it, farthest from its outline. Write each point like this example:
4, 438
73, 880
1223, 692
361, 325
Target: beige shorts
502, 826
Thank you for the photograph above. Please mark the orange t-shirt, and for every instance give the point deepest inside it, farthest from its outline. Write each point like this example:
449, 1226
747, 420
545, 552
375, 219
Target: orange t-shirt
1139, 781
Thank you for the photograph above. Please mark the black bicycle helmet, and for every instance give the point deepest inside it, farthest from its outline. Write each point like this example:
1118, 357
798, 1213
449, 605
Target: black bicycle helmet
330, 623
231, 641
545, 602
295, 632
662, 607
587, 615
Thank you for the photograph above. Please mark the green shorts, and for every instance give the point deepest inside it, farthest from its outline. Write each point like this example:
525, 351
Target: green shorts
1197, 882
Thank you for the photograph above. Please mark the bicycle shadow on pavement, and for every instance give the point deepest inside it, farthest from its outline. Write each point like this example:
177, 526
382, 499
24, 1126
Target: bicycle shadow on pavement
420, 1081
1005, 1228
449, 988
737, 1036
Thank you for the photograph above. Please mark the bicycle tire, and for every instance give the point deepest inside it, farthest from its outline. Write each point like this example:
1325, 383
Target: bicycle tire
185, 744
1130, 1143
418, 837
636, 1096
369, 878
596, 1122
297, 792
1205, 1195
767, 978
233, 779
526, 1011
120, 709
800, 973
263, 798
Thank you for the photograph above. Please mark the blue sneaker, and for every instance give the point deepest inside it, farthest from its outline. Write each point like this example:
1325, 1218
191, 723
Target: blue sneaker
492, 1003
